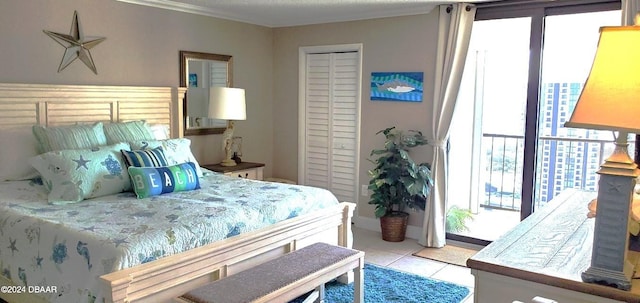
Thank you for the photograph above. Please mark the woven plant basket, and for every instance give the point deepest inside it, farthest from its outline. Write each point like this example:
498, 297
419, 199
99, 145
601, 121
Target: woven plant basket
394, 226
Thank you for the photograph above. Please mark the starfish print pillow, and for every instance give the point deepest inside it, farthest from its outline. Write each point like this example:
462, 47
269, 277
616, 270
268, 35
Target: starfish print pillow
73, 175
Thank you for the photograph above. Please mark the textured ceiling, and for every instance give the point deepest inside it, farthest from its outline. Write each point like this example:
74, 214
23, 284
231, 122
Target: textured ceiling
279, 13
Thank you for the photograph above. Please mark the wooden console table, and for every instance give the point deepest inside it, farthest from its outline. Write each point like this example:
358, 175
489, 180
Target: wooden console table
544, 256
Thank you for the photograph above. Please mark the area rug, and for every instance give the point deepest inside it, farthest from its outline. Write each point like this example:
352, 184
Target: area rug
383, 285
449, 254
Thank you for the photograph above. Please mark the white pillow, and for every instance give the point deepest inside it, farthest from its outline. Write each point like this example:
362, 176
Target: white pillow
17, 146
177, 151
160, 131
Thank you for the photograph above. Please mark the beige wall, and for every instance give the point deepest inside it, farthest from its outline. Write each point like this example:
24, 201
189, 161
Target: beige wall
389, 44
142, 49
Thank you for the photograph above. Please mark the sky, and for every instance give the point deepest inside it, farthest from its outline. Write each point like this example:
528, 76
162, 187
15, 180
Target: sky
501, 49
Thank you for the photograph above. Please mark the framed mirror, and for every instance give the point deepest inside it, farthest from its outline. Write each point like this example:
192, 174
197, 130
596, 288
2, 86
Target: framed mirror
199, 72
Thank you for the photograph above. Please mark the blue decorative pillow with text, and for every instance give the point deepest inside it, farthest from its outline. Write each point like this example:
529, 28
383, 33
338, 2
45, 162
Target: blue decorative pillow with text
153, 181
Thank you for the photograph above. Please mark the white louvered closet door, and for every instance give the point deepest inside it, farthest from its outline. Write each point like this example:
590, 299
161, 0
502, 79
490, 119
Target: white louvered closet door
332, 123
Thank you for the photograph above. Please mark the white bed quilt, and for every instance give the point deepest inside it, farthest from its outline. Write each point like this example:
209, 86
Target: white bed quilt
70, 246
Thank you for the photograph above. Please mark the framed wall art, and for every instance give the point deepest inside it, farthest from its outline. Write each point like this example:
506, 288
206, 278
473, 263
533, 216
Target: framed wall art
193, 80
397, 86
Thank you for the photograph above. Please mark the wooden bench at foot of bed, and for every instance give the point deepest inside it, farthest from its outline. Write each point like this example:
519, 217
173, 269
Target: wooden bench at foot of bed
285, 278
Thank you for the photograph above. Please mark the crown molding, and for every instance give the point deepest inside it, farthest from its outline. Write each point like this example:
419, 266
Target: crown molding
275, 19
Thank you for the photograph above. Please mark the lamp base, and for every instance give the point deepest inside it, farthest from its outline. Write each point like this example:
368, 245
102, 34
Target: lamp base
227, 142
228, 162
609, 263
617, 279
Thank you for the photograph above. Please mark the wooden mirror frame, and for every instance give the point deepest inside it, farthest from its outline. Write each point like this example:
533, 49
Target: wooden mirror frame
185, 56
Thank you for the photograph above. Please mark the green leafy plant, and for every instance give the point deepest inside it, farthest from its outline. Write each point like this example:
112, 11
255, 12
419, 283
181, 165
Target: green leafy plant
457, 219
397, 182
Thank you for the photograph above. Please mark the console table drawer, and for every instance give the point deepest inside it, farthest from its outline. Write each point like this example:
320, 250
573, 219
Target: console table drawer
248, 170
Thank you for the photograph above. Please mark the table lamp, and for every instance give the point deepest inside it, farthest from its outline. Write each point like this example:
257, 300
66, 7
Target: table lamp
610, 100
227, 103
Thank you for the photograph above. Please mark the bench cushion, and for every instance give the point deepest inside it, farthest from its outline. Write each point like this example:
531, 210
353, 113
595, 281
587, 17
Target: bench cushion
270, 276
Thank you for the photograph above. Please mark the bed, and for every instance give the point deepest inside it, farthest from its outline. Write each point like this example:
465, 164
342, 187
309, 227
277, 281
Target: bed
117, 248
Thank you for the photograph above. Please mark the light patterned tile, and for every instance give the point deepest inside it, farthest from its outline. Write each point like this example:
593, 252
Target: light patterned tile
364, 238
418, 266
371, 240
406, 247
381, 258
455, 274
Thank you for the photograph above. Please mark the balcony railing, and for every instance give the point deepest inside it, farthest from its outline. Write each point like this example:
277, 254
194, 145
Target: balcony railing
561, 163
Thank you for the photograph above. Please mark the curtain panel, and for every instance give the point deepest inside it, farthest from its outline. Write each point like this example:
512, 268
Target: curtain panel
454, 33
630, 10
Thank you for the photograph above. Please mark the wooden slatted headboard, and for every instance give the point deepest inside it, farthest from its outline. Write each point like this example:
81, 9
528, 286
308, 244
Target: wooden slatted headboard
44, 104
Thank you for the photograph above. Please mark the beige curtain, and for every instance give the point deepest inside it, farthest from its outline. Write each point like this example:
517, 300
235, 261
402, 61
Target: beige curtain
630, 10
454, 32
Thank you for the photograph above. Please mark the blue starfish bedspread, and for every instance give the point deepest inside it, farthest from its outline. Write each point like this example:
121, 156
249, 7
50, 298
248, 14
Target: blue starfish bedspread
68, 247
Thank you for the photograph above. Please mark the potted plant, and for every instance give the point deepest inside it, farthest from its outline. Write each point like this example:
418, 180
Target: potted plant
397, 182
457, 219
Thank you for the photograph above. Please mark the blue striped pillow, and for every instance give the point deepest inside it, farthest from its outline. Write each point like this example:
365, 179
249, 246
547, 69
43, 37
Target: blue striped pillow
145, 158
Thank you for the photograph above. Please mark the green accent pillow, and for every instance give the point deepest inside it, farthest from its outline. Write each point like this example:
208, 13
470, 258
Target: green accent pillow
127, 132
74, 175
69, 137
153, 181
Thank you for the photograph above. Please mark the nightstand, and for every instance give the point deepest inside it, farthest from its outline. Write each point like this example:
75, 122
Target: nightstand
248, 170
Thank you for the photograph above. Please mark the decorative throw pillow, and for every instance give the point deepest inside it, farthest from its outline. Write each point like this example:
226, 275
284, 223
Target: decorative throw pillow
146, 157
127, 132
176, 150
160, 131
74, 175
69, 137
17, 146
153, 181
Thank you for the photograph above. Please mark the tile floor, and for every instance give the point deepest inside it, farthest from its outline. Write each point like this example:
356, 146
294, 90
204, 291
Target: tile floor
399, 256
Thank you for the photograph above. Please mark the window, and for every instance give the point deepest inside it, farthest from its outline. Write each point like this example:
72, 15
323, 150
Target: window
524, 58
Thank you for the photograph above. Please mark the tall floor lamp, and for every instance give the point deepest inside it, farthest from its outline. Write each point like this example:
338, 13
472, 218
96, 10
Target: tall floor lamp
227, 103
610, 100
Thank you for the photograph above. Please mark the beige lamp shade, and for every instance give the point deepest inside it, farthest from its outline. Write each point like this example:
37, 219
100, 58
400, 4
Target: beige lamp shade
227, 103
610, 99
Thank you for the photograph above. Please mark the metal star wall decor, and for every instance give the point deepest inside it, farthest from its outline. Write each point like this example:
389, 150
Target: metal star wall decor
76, 45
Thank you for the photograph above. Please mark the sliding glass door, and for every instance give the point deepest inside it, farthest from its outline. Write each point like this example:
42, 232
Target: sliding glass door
568, 157
490, 117
510, 152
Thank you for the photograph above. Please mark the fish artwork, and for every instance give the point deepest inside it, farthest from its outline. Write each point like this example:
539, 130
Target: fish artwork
396, 86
